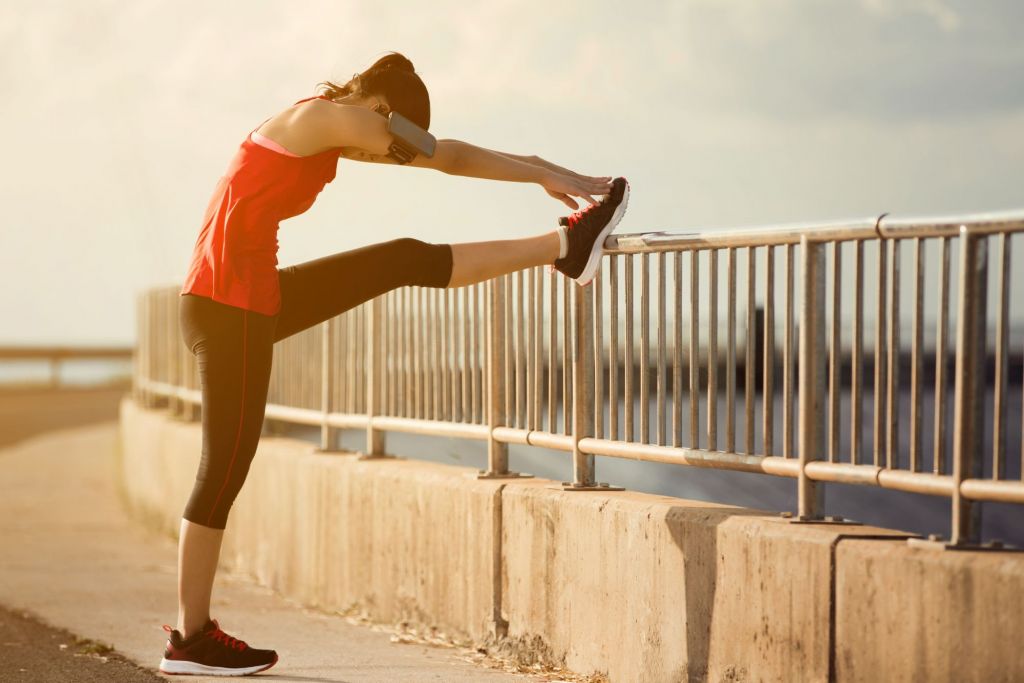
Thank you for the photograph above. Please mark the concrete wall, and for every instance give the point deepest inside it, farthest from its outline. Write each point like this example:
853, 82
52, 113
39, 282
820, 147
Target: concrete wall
928, 615
639, 587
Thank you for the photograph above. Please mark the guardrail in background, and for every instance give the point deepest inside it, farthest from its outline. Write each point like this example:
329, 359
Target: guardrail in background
529, 358
56, 356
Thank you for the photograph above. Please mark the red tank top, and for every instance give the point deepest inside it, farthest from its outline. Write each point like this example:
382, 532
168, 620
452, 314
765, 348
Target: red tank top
235, 257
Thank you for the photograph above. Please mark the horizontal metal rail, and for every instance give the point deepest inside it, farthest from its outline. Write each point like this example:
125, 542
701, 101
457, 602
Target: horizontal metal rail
56, 356
796, 351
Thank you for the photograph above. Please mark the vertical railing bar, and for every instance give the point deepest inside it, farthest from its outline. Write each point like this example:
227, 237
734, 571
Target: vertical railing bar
970, 381
645, 325
531, 357
730, 358
627, 347
787, 359
1001, 341
598, 334
479, 353
440, 358
712, 350
613, 347
495, 305
750, 362
892, 401
420, 352
452, 331
660, 380
916, 359
538, 348
694, 349
521, 352
768, 393
941, 332
397, 362
567, 371
677, 350
374, 437
351, 359
382, 346
467, 366
880, 363
835, 354
810, 494
509, 339
856, 354
582, 386
553, 401
427, 365
396, 346
409, 376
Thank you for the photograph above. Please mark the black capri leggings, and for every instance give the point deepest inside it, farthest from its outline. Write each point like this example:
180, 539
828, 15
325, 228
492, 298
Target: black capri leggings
234, 350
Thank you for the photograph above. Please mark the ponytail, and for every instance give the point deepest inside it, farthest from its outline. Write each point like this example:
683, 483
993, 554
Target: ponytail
394, 77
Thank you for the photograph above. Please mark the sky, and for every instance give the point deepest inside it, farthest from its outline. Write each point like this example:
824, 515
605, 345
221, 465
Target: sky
119, 117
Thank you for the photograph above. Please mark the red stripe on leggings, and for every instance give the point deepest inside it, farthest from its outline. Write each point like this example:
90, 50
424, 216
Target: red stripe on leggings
241, 416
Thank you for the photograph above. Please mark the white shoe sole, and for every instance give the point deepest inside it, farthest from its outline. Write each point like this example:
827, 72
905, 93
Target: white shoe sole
597, 251
176, 666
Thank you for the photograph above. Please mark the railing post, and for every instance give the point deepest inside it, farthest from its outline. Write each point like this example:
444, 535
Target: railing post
327, 433
970, 377
811, 496
374, 437
497, 451
812, 363
584, 478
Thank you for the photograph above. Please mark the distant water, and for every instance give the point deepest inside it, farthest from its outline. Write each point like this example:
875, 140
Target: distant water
70, 372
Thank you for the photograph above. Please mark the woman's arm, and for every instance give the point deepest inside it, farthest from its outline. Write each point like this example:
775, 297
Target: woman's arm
469, 160
362, 135
560, 196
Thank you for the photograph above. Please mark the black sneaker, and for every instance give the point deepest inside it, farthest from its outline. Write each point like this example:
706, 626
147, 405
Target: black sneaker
586, 233
211, 652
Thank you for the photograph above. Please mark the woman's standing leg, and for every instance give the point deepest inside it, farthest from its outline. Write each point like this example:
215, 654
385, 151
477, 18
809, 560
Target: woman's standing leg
234, 350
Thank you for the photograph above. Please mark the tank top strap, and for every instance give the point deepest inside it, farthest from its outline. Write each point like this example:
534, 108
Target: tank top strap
307, 99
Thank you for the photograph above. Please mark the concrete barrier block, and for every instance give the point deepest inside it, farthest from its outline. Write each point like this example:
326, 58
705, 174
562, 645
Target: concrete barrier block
652, 588
772, 598
911, 614
401, 540
619, 583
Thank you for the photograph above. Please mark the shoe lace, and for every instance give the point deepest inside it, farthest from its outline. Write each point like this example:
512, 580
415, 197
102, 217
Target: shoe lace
228, 640
575, 217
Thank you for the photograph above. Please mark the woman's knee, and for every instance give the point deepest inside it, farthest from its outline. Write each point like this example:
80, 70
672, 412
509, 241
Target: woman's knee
423, 263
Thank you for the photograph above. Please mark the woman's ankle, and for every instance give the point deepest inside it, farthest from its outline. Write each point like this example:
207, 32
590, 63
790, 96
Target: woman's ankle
187, 630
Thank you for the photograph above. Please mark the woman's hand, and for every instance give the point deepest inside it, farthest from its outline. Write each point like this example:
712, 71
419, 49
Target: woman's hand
563, 185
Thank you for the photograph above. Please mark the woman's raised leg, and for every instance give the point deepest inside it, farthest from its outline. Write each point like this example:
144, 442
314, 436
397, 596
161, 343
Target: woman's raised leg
318, 290
474, 262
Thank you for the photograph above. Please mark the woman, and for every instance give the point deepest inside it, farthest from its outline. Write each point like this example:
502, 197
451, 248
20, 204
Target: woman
235, 302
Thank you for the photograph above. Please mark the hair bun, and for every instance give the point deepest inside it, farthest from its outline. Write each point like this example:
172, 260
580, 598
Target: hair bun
393, 60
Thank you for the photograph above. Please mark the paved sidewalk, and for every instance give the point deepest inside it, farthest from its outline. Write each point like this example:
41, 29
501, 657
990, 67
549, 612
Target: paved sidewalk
72, 557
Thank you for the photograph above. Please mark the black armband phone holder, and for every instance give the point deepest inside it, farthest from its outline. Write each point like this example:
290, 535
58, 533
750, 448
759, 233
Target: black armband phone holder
408, 139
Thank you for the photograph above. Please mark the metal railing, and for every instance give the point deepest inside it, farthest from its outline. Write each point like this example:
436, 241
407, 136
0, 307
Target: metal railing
56, 357
612, 370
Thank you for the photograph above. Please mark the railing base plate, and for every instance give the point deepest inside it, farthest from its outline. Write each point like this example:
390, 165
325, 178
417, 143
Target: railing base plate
377, 456
501, 475
600, 486
827, 519
333, 451
938, 543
